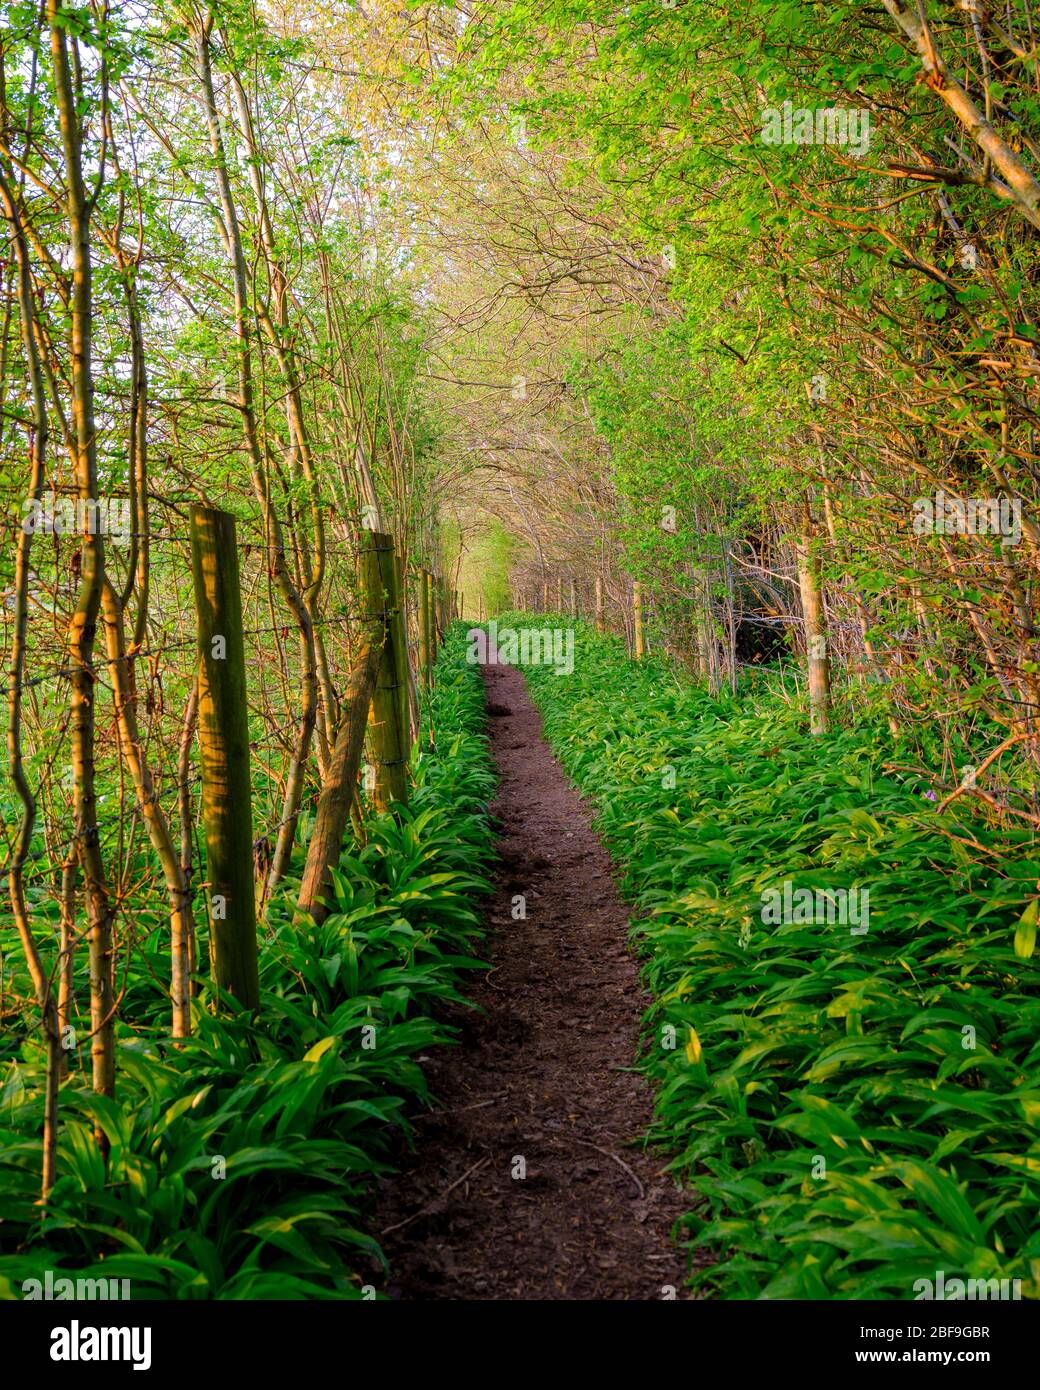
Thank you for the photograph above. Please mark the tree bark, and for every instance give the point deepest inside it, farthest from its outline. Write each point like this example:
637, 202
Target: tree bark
811, 591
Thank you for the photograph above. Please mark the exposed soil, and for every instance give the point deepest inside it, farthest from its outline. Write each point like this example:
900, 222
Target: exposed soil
543, 1076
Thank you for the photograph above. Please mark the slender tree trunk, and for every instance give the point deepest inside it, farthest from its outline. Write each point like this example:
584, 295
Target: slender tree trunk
68, 952
182, 925
811, 591
56, 1060
187, 827
83, 627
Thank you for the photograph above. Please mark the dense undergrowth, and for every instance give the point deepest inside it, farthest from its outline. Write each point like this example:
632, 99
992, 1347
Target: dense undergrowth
855, 1111
240, 1158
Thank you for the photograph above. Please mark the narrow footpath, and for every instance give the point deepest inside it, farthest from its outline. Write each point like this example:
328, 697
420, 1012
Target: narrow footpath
523, 1183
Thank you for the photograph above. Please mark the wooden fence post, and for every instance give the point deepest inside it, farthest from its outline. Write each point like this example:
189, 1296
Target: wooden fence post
601, 622
442, 607
425, 653
574, 598
224, 740
431, 609
431, 622
389, 727
639, 639
339, 794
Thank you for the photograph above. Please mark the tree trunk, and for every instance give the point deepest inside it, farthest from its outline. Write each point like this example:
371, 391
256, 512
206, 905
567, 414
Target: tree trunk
178, 892
811, 592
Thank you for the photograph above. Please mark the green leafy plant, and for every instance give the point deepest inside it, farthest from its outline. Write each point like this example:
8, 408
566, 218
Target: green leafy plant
853, 1112
240, 1158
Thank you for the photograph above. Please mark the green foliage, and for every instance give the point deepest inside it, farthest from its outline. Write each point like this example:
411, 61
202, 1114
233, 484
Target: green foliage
486, 566
901, 1066
240, 1158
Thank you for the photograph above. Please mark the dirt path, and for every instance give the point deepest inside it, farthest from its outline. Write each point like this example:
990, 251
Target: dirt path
540, 1077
